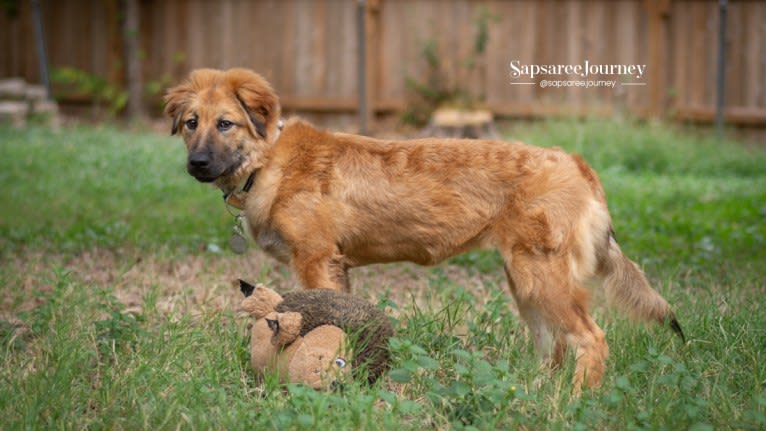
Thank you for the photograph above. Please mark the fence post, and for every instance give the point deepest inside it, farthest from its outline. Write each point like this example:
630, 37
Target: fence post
361, 16
657, 11
367, 32
721, 75
132, 61
372, 61
42, 56
115, 74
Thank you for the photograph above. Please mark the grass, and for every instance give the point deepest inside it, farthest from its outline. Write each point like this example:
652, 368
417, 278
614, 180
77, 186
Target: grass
116, 311
96, 187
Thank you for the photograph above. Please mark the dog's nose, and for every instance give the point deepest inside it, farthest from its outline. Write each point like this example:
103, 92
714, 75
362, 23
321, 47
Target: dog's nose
199, 160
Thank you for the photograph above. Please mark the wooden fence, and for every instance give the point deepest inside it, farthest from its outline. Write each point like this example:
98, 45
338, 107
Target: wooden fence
308, 50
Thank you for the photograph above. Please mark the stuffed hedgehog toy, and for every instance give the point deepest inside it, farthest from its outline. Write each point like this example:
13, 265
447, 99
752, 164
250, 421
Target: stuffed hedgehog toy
308, 336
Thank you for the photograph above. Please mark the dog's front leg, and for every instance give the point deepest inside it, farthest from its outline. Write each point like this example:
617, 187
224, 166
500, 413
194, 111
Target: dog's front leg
326, 270
307, 224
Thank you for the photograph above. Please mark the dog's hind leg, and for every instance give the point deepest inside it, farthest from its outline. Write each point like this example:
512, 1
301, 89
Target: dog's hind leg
549, 343
555, 307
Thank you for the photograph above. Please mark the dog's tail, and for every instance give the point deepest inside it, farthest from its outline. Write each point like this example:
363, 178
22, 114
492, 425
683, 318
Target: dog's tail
627, 288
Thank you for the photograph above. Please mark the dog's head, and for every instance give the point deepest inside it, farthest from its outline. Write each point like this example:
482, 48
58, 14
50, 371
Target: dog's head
228, 120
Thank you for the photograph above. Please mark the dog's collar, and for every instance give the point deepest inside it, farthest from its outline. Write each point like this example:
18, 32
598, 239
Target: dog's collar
236, 196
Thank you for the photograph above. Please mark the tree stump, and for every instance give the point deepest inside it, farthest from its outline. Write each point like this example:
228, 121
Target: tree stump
458, 123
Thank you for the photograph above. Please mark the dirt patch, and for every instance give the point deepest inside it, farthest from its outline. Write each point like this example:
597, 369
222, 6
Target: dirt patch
200, 283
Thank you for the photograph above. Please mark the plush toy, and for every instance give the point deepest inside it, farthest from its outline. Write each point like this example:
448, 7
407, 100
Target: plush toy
318, 337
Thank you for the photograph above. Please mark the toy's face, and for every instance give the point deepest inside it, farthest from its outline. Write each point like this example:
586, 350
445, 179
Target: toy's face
320, 361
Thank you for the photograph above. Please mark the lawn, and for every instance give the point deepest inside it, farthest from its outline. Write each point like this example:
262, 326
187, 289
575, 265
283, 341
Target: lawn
118, 309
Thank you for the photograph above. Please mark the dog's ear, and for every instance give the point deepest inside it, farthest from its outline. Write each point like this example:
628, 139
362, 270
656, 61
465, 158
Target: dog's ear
257, 98
177, 98
175, 102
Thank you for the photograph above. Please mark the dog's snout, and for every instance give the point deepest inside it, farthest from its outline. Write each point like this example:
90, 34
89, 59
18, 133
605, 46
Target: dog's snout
203, 166
199, 159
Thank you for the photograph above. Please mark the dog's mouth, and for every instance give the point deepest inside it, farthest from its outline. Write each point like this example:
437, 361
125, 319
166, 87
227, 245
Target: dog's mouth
204, 179
211, 174
204, 175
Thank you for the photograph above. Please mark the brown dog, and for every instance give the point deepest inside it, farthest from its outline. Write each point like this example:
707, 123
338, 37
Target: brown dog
326, 202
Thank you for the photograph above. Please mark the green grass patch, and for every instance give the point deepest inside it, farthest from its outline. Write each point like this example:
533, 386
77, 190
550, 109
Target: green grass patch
72, 355
466, 364
98, 187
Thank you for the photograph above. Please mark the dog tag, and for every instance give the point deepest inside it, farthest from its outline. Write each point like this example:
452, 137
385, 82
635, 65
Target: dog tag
238, 242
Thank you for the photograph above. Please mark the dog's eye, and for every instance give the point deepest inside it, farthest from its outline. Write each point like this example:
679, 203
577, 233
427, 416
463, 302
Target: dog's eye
340, 362
191, 123
224, 125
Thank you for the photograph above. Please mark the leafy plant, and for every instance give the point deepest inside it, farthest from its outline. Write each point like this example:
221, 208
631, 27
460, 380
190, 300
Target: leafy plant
10, 7
434, 90
102, 92
154, 89
471, 395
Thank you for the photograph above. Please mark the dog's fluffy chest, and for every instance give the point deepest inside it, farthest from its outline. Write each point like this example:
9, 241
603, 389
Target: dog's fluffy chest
257, 210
